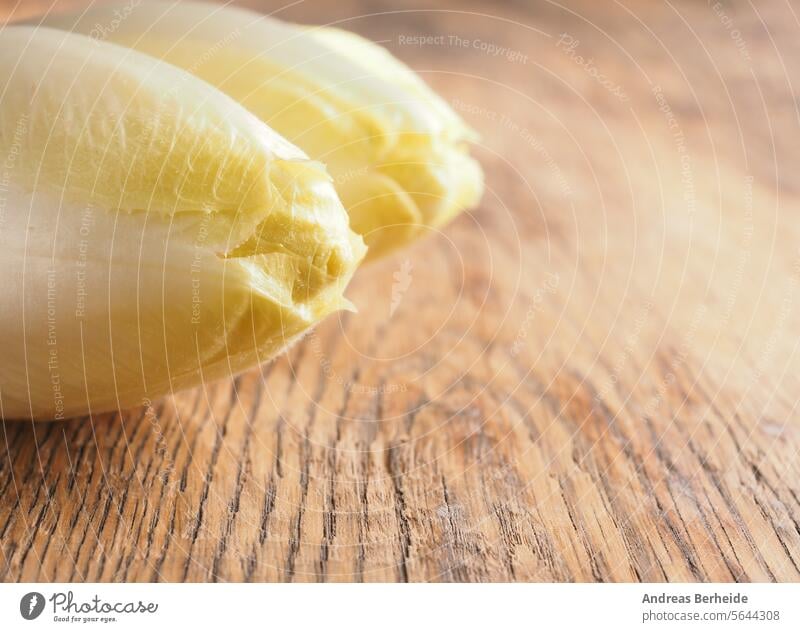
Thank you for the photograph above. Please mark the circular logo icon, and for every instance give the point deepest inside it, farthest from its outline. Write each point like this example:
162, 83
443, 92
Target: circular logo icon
31, 605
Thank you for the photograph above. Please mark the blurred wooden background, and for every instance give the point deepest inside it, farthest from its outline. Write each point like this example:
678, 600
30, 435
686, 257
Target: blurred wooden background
594, 376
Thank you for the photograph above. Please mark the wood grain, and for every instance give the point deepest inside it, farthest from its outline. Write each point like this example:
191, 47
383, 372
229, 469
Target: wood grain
592, 377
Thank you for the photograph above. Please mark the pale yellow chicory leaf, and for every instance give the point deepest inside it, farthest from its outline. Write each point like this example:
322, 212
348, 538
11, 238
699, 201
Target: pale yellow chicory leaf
154, 234
397, 152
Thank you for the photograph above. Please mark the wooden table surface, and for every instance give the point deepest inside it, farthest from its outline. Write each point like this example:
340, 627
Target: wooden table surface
594, 376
